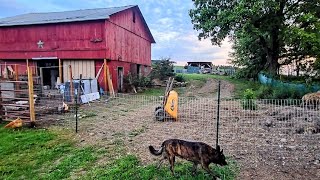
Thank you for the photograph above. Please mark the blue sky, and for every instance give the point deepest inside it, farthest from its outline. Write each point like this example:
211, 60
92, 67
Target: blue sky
168, 21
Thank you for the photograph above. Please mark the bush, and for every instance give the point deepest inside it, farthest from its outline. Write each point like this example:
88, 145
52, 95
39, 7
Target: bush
249, 100
264, 92
284, 92
137, 81
180, 78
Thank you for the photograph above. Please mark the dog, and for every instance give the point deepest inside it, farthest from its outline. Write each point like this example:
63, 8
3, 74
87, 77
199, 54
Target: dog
196, 152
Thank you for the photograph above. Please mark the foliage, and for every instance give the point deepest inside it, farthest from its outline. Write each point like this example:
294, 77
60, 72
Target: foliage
180, 78
279, 92
137, 81
162, 69
264, 92
265, 33
249, 100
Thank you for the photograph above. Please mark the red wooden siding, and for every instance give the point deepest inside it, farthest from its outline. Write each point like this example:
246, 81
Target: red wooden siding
124, 42
64, 40
122, 33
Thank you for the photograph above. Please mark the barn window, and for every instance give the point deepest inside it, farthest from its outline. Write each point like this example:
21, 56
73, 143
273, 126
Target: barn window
134, 17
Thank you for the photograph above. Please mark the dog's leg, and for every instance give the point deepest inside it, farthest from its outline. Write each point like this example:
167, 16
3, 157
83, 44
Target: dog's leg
171, 160
194, 168
160, 162
205, 166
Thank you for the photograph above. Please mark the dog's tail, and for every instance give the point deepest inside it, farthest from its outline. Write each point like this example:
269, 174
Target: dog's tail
155, 152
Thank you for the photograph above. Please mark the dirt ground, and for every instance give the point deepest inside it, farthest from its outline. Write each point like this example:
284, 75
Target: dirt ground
266, 143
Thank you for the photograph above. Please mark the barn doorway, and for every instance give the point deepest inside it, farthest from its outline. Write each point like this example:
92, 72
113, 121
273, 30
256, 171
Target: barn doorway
49, 72
120, 79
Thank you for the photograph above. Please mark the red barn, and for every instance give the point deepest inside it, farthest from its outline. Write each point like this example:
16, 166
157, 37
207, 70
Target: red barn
82, 39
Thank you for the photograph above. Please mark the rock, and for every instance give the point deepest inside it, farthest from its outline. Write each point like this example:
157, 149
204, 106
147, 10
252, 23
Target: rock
91, 134
291, 147
268, 123
283, 140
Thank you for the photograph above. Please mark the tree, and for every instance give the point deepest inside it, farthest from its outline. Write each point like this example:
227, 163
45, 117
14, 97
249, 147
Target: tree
162, 69
265, 33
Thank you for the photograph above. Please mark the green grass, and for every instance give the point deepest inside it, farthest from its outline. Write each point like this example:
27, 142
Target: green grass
41, 154
153, 91
129, 168
240, 84
52, 154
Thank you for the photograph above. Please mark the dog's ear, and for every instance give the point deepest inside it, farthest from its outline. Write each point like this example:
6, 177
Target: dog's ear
221, 151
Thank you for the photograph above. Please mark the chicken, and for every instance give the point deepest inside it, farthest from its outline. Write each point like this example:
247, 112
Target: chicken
14, 124
64, 108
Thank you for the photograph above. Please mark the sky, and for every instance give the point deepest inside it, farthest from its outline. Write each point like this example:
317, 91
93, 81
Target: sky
168, 20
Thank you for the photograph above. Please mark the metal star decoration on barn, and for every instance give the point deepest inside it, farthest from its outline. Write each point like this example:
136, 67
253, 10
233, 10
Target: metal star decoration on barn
40, 44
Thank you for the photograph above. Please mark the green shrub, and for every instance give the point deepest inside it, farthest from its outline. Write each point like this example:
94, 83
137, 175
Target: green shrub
137, 81
249, 100
264, 92
180, 78
162, 69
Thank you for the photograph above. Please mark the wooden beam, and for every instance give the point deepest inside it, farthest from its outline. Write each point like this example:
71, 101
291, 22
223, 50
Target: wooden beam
110, 85
105, 75
31, 98
60, 71
99, 72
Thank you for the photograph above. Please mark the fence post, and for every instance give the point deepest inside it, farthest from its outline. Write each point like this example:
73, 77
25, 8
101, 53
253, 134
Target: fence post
71, 84
31, 98
105, 75
78, 100
1, 112
60, 71
218, 115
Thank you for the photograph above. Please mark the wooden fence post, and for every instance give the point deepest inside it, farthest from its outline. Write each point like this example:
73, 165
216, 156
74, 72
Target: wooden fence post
105, 75
31, 98
60, 71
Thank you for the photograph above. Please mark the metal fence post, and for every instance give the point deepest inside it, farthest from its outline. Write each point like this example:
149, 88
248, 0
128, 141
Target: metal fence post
76, 104
77, 97
218, 116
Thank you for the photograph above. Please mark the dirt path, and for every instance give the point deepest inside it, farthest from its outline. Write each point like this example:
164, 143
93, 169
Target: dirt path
210, 89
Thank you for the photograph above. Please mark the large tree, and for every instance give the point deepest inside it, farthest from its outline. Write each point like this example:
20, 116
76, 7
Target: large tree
265, 33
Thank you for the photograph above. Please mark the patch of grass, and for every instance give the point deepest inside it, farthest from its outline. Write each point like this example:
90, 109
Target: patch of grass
240, 84
153, 92
41, 154
129, 167
136, 132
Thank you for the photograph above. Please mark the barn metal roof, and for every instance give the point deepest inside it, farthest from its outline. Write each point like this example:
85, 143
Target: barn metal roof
59, 17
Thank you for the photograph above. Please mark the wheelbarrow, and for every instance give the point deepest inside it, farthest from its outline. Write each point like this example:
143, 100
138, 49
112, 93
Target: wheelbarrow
169, 107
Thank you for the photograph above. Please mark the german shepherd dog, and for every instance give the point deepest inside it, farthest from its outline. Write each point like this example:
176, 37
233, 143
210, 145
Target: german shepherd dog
196, 152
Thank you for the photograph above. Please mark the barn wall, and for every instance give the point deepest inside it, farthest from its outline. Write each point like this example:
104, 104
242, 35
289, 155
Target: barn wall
84, 67
113, 68
64, 40
122, 32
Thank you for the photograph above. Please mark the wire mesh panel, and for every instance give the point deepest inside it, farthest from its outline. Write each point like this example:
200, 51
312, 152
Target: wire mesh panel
254, 133
272, 132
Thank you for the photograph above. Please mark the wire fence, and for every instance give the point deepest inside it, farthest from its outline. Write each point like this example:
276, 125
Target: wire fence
252, 132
